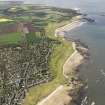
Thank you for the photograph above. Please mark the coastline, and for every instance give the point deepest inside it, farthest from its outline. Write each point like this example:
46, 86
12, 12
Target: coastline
67, 95
75, 22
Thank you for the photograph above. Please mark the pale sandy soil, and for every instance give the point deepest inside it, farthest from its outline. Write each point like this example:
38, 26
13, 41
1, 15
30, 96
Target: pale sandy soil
72, 62
58, 97
4, 20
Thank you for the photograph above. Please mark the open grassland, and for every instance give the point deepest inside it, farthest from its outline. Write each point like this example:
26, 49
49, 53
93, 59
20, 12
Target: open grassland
10, 38
59, 56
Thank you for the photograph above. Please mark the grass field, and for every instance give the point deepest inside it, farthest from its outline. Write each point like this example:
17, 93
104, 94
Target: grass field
59, 56
10, 38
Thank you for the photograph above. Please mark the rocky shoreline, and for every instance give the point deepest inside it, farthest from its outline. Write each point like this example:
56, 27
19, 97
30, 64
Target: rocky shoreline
69, 94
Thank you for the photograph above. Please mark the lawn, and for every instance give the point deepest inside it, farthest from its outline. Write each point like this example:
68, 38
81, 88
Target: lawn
59, 56
10, 38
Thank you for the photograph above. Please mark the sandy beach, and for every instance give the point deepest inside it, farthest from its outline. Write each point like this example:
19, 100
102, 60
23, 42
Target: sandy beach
76, 22
72, 62
61, 96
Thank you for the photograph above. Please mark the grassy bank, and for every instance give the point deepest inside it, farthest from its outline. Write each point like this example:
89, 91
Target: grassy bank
60, 54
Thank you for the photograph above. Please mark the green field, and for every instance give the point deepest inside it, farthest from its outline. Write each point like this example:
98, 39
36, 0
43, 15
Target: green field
10, 38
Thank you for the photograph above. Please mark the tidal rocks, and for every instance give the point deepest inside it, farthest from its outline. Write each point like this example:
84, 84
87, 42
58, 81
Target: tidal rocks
89, 19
